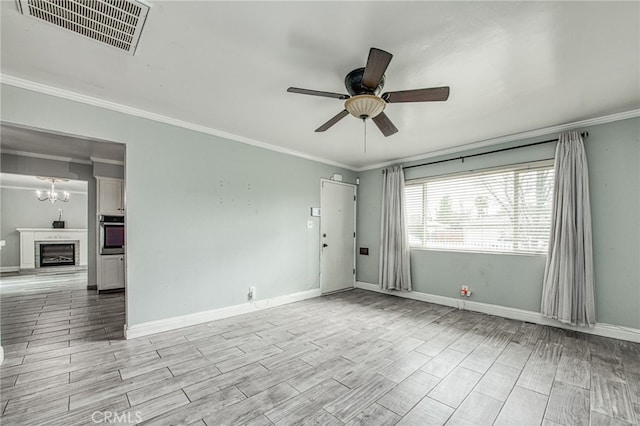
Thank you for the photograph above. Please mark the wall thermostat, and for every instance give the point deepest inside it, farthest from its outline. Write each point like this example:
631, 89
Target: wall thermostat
315, 211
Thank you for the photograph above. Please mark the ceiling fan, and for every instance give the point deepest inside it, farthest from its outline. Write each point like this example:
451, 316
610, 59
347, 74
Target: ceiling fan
363, 100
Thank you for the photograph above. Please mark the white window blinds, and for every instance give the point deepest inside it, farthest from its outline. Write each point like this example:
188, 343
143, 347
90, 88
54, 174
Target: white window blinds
505, 210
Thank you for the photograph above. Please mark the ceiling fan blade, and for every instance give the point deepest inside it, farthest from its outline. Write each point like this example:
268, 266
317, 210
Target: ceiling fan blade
384, 124
418, 95
317, 93
377, 64
342, 114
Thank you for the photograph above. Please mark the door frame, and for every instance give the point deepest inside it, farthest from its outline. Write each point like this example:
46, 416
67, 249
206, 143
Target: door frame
355, 215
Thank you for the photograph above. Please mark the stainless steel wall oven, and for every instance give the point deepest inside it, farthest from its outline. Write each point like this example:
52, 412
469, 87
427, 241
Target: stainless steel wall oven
112, 234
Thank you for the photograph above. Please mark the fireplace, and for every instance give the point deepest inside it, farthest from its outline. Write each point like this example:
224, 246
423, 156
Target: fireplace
57, 254
32, 238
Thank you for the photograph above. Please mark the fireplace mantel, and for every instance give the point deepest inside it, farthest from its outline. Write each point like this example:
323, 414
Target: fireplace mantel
29, 237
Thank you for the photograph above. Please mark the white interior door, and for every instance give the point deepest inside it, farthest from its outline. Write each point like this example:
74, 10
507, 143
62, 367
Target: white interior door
337, 236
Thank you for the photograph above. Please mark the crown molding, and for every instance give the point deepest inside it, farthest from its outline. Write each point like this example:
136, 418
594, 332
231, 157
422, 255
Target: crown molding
107, 161
28, 188
59, 158
509, 138
125, 109
45, 156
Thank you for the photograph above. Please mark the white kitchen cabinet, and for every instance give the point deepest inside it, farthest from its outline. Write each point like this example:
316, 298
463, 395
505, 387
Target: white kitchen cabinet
110, 196
110, 272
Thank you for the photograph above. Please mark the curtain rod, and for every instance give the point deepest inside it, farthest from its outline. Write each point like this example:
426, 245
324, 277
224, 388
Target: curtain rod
583, 134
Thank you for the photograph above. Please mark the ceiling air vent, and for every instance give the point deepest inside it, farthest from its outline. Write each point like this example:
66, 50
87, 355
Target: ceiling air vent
117, 23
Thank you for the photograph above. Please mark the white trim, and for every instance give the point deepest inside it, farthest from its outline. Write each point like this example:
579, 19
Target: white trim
90, 100
600, 329
109, 178
27, 188
9, 268
113, 106
106, 161
337, 182
1, 355
45, 156
159, 326
545, 131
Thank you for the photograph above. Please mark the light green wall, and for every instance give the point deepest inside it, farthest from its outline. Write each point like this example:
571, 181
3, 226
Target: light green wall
21, 209
206, 217
613, 152
195, 243
368, 225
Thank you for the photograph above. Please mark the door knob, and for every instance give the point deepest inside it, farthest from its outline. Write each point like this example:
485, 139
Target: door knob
325, 245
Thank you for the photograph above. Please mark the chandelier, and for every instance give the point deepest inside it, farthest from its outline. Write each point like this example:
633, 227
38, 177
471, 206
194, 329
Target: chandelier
51, 195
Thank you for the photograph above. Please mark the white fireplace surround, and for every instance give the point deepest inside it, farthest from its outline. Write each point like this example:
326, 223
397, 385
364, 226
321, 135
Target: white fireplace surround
30, 236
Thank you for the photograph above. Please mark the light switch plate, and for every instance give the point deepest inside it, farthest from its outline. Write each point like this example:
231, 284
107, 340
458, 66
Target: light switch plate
309, 224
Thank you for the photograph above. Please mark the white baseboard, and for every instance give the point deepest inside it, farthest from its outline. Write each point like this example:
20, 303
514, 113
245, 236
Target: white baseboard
1, 355
153, 327
9, 269
600, 329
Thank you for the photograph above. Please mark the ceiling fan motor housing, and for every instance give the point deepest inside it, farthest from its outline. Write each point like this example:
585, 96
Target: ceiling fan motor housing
364, 102
353, 84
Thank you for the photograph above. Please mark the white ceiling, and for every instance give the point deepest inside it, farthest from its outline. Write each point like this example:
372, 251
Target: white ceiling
21, 141
512, 67
8, 180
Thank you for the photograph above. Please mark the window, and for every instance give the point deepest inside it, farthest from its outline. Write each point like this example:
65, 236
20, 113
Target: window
505, 210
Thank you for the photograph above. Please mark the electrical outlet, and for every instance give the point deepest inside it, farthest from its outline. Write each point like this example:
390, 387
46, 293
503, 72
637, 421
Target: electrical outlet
464, 291
252, 293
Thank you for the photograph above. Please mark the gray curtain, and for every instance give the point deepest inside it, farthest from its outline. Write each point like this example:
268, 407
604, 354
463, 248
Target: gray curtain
568, 289
394, 244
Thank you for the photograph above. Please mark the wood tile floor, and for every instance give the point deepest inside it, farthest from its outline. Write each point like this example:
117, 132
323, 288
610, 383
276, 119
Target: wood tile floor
350, 358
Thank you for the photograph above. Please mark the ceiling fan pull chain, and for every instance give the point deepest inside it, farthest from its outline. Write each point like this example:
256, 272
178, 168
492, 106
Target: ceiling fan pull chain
364, 123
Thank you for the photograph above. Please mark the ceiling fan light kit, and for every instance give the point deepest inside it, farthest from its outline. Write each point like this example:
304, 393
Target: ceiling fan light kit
364, 101
364, 106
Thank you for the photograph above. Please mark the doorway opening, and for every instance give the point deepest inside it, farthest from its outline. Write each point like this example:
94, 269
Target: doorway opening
49, 244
